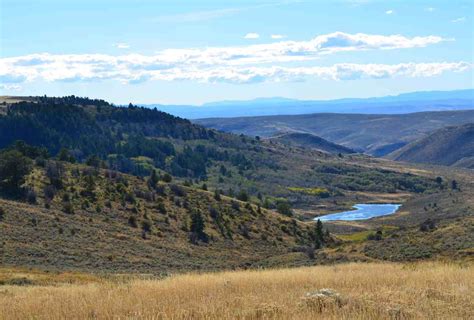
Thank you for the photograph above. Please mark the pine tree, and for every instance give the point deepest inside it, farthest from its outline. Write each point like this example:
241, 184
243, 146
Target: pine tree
153, 180
319, 234
197, 228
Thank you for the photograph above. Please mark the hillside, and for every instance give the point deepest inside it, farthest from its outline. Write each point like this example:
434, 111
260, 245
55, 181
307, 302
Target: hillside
102, 220
450, 146
374, 134
129, 189
311, 141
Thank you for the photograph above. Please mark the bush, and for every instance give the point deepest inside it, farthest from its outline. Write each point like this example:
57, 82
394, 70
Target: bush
68, 208
132, 222
177, 190
217, 195
283, 207
161, 208
2, 214
375, 236
167, 178
49, 192
146, 225
243, 196
428, 225
235, 205
31, 196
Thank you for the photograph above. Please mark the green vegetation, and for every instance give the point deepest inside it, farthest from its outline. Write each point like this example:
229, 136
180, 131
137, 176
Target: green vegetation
318, 192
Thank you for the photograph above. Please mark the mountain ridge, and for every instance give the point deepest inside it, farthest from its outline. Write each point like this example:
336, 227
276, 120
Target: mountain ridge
451, 146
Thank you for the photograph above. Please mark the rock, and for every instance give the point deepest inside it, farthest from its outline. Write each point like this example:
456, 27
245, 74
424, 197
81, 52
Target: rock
322, 299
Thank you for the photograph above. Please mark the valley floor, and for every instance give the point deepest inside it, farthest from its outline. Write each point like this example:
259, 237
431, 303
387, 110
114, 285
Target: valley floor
428, 290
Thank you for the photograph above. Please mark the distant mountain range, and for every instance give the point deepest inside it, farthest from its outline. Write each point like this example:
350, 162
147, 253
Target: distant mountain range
399, 104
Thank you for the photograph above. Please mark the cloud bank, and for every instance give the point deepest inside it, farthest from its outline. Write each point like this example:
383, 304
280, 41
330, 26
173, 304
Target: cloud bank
244, 64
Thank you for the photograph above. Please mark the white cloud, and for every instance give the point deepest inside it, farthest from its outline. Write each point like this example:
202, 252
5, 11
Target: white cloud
10, 87
430, 9
122, 45
252, 63
136, 68
389, 12
252, 35
277, 36
458, 20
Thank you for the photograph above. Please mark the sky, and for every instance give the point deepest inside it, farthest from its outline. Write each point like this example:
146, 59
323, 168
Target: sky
192, 52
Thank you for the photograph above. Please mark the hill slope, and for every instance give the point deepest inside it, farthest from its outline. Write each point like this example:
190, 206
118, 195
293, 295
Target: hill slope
450, 146
308, 140
373, 134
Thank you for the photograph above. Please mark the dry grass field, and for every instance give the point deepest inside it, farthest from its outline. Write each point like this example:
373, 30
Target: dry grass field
426, 290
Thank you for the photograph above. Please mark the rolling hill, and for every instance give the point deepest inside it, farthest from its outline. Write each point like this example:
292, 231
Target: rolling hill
450, 146
374, 134
311, 141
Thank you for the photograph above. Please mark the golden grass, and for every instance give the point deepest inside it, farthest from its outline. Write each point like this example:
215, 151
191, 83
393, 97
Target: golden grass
368, 291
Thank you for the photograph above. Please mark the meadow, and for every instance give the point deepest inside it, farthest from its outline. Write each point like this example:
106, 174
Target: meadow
427, 290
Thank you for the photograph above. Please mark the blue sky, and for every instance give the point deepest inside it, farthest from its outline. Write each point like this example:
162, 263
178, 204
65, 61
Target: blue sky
190, 52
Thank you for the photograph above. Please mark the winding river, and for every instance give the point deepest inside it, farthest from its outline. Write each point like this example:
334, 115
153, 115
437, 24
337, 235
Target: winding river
362, 212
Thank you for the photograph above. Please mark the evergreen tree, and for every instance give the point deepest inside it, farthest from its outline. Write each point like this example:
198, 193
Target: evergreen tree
153, 180
197, 228
319, 234
13, 168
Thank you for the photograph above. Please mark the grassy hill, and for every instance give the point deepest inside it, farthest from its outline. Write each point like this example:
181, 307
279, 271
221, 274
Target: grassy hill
451, 146
311, 141
373, 134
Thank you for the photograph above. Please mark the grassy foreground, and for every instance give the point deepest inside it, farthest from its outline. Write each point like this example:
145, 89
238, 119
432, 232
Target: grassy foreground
366, 291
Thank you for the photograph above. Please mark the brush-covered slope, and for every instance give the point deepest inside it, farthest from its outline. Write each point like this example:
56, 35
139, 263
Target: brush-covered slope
308, 140
81, 217
450, 146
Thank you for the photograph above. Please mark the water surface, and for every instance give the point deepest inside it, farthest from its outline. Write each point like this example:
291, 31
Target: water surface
362, 212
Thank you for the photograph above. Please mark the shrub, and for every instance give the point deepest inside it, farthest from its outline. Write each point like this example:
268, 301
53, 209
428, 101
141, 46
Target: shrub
68, 207
167, 178
31, 196
161, 208
243, 196
217, 195
2, 214
132, 222
283, 207
375, 236
428, 225
177, 190
235, 205
146, 225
